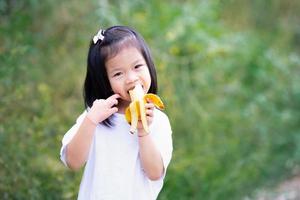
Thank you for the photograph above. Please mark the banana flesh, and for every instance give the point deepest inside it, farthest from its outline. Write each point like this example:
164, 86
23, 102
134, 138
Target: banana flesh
136, 109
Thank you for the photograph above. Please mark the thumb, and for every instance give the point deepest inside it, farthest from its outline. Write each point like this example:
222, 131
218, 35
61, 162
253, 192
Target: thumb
113, 110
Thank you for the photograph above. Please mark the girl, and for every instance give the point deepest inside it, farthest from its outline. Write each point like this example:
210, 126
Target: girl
118, 165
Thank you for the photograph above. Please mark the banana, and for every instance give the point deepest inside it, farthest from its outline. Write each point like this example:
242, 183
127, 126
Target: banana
136, 109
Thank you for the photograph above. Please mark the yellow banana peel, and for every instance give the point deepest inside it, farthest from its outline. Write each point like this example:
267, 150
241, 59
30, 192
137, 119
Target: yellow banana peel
136, 109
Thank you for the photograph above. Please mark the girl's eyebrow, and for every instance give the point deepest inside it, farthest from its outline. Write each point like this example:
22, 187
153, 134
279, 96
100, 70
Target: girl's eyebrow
113, 70
138, 61
117, 68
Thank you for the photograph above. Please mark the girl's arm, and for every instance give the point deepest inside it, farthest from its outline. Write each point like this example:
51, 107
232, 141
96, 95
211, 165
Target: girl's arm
78, 149
151, 159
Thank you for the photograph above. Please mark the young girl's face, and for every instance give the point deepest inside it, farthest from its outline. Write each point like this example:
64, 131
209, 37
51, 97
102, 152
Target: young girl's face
127, 69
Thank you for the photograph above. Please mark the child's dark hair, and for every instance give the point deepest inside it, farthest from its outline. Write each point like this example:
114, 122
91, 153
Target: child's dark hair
116, 38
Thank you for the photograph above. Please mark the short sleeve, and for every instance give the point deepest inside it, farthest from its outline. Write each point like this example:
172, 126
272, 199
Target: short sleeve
68, 137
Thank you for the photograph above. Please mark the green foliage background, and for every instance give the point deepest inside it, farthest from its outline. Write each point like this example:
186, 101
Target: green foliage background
228, 72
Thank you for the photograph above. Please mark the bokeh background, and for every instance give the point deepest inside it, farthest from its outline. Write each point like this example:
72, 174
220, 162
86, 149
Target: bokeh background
228, 71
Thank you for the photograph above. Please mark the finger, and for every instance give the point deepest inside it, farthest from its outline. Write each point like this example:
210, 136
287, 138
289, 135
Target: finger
149, 113
149, 120
149, 106
113, 110
114, 96
112, 100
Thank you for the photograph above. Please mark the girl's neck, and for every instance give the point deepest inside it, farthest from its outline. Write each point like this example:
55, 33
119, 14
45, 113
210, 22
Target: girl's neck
122, 105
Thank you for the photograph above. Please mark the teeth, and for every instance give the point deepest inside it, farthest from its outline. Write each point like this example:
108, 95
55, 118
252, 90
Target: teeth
136, 109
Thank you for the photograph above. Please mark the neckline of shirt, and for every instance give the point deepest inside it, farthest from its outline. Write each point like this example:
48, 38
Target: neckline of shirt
119, 117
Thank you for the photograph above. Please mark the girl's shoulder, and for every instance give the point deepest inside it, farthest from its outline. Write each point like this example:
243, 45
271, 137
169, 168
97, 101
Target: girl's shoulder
81, 116
161, 127
161, 118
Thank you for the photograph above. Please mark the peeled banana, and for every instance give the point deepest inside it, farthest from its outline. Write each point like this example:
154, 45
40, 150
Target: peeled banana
136, 109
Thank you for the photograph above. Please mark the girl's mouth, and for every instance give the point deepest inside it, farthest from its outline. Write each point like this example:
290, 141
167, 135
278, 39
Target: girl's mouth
133, 88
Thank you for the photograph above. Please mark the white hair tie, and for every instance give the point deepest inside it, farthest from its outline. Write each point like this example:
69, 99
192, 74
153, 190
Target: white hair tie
98, 36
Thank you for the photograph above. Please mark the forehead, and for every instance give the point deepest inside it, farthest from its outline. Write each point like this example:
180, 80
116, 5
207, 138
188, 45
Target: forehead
127, 56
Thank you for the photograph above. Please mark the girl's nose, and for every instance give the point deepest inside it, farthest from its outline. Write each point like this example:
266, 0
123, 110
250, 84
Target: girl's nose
132, 77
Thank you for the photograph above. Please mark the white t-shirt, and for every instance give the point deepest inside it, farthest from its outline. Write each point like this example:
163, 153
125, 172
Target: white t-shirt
113, 170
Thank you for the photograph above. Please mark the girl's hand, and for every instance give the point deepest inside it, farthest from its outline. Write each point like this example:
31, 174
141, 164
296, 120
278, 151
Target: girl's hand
103, 108
149, 107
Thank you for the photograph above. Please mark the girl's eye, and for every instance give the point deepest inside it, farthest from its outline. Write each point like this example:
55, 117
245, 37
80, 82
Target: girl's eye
117, 74
137, 66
